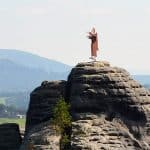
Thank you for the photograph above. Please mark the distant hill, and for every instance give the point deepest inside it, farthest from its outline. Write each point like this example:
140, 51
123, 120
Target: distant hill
33, 61
22, 71
143, 79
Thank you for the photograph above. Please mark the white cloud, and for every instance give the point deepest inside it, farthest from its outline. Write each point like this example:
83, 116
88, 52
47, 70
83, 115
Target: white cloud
25, 11
98, 11
3, 9
147, 10
39, 11
32, 11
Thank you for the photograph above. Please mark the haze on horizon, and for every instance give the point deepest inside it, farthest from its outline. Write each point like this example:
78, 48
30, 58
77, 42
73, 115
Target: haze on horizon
57, 30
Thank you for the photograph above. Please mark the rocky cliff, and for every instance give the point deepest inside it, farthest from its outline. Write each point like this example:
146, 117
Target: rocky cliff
39, 133
109, 109
42, 101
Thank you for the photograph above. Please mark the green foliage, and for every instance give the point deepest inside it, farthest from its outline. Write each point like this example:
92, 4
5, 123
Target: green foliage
62, 122
61, 116
18, 99
64, 141
10, 111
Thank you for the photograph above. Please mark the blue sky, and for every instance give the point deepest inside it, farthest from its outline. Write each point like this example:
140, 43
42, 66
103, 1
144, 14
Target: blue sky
57, 30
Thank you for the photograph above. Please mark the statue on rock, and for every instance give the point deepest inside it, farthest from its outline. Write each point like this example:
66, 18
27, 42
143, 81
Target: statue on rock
94, 43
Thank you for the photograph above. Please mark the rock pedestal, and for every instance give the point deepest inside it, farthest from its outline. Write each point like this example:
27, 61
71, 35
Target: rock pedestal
109, 108
10, 138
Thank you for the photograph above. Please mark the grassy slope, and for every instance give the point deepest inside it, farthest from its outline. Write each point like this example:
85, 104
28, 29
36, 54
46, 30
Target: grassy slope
2, 100
21, 122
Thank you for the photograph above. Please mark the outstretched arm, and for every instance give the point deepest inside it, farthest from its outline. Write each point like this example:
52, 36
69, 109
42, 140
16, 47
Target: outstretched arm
91, 35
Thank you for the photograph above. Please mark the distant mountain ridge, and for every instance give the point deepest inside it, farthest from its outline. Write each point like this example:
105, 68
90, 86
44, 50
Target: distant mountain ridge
143, 79
22, 71
33, 61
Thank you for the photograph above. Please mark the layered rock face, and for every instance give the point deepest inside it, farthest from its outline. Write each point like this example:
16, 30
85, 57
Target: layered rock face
42, 101
10, 138
41, 137
110, 110
39, 133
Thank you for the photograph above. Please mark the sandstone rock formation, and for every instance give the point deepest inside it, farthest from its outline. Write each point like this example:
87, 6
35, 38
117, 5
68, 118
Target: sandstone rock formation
39, 133
10, 138
110, 110
42, 101
41, 137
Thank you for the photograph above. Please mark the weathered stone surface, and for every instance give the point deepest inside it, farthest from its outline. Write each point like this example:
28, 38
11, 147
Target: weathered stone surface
10, 138
42, 101
98, 88
110, 110
41, 137
96, 133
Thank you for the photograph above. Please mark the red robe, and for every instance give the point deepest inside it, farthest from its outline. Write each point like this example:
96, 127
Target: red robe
94, 43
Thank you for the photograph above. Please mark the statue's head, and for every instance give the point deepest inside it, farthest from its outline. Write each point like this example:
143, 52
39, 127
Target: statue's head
93, 30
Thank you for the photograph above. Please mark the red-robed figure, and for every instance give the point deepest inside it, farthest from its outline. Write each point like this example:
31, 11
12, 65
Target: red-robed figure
94, 43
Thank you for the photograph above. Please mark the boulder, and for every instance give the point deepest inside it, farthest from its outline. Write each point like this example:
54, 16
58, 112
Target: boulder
10, 138
42, 101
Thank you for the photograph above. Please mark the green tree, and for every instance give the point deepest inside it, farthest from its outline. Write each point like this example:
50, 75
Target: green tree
61, 116
62, 122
